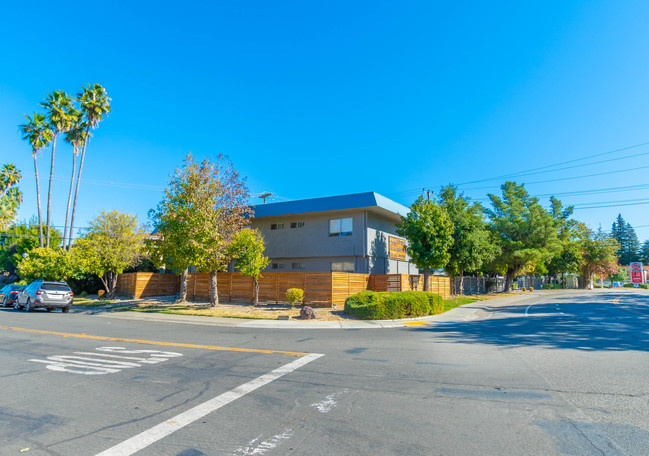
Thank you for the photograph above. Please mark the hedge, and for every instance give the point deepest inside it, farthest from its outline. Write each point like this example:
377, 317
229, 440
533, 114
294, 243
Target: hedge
631, 285
371, 305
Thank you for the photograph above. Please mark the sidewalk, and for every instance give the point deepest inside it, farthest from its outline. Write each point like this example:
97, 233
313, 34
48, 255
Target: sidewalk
467, 312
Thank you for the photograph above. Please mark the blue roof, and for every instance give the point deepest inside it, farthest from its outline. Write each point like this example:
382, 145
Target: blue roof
331, 203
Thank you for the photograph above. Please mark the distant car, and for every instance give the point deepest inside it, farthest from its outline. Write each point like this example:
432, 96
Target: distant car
48, 295
9, 293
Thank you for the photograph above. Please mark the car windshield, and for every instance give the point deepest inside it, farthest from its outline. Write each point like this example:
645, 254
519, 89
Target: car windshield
55, 287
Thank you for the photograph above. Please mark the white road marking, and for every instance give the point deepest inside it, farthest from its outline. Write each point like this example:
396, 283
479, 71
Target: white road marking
162, 430
328, 402
98, 363
264, 446
528, 308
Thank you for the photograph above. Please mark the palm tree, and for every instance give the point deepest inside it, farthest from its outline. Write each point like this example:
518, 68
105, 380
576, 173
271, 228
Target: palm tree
75, 137
57, 104
95, 104
39, 134
10, 195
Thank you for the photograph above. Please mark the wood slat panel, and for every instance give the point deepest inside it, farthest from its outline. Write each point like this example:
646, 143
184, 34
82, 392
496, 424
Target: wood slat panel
320, 289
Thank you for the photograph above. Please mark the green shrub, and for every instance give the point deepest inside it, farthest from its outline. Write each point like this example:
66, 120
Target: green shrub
523, 289
531, 288
631, 285
552, 286
514, 286
84, 294
101, 294
294, 295
435, 304
370, 305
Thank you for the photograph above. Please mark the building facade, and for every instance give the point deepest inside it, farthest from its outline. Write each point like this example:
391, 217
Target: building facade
347, 233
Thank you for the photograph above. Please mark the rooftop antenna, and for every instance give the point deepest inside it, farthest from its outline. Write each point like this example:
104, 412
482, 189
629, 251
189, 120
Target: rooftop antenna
264, 195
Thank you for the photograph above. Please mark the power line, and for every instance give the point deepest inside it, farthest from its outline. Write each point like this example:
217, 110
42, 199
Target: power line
563, 163
413, 191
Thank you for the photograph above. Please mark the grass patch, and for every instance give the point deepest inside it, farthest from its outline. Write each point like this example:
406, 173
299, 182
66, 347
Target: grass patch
452, 303
85, 302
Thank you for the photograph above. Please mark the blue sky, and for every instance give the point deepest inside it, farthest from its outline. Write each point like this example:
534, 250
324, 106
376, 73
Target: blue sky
314, 99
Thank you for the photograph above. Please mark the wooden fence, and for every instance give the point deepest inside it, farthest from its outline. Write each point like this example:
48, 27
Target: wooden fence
321, 289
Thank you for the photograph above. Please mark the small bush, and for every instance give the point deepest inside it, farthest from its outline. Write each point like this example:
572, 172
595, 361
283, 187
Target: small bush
84, 294
101, 294
294, 295
552, 286
523, 289
531, 288
514, 286
370, 305
631, 285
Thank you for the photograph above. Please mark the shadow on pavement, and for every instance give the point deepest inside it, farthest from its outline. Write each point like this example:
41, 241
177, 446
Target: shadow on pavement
588, 324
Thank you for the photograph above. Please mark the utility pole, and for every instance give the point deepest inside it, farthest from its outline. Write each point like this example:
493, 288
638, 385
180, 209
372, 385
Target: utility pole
264, 195
427, 192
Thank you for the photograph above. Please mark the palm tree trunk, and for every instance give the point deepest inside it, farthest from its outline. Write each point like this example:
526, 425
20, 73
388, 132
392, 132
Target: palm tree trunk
49, 191
76, 190
38, 201
67, 211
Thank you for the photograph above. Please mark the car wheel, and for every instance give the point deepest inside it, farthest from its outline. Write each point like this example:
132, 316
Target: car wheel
49, 309
5, 302
65, 309
16, 305
28, 306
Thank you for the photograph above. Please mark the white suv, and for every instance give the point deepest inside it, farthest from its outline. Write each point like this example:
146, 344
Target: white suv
49, 295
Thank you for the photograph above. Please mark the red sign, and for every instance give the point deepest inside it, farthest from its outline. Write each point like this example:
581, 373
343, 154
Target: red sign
636, 273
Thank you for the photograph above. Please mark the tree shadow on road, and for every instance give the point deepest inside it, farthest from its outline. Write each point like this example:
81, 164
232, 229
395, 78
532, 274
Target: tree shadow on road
588, 325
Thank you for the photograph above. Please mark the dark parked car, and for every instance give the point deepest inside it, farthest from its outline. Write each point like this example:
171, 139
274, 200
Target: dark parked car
9, 293
48, 295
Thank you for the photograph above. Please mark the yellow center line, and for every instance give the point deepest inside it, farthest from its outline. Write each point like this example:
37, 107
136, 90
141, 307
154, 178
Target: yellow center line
412, 323
155, 342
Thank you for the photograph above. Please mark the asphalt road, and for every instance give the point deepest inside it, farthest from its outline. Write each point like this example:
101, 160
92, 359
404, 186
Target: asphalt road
543, 374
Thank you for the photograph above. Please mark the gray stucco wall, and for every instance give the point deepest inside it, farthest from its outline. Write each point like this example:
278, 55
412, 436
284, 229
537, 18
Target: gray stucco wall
312, 245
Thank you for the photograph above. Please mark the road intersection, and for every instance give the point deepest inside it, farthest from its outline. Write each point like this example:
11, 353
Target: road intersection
543, 373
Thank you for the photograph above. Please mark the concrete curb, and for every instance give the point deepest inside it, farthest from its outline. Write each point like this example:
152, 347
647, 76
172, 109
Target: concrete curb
465, 313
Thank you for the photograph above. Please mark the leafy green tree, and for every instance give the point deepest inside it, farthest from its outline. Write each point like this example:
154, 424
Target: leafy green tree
525, 232
95, 105
205, 204
472, 245
627, 239
39, 134
570, 233
112, 242
599, 257
176, 223
20, 239
247, 250
429, 232
44, 263
620, 276
10, 195
57, 105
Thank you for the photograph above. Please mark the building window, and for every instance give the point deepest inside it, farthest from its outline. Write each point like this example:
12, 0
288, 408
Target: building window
276, 226
297, 224
298, 266
278, 266
342, 266
340, 227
